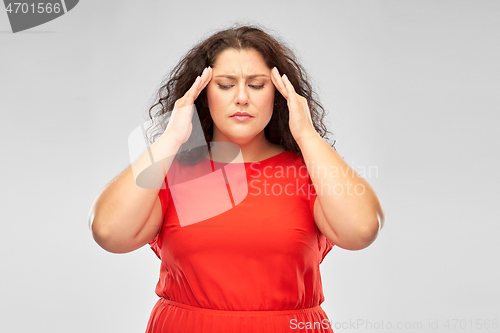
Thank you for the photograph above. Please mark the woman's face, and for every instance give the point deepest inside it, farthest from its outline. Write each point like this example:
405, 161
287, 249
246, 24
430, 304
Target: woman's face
241, 82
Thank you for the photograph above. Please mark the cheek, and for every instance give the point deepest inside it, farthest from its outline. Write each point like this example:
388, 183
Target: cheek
214, 98
266, 100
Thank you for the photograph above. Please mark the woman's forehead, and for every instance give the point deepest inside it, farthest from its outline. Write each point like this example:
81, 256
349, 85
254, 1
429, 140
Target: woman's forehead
240, 62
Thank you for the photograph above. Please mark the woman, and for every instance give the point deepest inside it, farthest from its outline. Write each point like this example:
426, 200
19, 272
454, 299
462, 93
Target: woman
255, 266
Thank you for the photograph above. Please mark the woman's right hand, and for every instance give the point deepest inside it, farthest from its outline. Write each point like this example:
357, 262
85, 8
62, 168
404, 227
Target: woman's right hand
179, 126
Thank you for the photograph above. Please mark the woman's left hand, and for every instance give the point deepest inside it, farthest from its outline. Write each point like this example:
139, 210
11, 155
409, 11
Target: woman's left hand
299, 114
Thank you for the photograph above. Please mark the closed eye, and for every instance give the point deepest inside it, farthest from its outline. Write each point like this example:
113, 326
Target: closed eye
222, 86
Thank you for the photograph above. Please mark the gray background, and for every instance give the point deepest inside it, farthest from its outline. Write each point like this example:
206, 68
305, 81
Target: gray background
411, 88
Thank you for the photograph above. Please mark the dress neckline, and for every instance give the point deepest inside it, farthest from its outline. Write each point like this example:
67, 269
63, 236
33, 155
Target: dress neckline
264, 160
267, 159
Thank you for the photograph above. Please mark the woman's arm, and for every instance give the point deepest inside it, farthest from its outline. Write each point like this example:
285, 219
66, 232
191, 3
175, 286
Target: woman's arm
347, 210
125, 216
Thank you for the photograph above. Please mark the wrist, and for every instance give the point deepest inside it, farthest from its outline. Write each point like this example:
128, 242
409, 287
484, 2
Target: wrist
165, 146
307, 137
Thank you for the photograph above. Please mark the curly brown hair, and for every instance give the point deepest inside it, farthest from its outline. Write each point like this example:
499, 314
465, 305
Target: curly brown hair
204, 54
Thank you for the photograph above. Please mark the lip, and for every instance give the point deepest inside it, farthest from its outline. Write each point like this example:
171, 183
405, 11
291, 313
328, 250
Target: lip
241, 118
241, 114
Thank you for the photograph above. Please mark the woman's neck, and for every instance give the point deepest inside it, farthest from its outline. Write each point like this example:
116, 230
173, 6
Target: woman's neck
257, 149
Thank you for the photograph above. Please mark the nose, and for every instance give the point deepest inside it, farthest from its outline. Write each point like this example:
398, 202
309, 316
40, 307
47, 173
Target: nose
241, 97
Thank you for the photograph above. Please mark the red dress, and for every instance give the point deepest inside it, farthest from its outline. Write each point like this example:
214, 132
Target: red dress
252, 268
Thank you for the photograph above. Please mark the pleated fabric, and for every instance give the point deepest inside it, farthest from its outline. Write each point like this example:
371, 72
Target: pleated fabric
170, 316
251, 268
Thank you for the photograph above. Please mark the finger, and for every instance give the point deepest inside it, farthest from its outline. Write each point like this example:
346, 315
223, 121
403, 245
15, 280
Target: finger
200, 83
288, 84
278, 82
293, 96
205, 79
196, 87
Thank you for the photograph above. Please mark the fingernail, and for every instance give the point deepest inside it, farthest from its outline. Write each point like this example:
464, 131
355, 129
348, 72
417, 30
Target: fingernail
285, 77
204, 70
197, 78
276, 69
209, 67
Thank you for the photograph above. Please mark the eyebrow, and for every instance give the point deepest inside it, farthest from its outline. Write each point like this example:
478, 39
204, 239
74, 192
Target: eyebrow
234, 77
